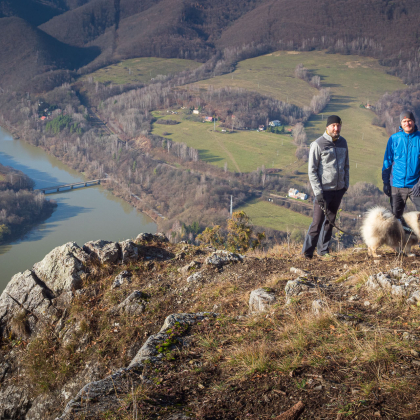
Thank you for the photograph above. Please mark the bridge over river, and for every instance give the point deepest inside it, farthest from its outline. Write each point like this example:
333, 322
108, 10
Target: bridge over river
71, 186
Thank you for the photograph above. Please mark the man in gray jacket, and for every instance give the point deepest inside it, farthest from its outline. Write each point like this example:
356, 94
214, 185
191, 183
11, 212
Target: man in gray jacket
328, 171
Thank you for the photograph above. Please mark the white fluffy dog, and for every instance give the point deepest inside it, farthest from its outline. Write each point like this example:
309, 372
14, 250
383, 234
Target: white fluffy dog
381, 227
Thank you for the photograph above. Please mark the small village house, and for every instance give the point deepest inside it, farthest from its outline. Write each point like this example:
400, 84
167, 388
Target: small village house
294, 193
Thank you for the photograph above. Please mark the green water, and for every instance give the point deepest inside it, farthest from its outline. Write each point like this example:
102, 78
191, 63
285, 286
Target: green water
82, 214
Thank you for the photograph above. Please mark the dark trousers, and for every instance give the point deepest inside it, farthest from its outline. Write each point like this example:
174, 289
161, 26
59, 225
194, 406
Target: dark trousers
320, 231
398, 199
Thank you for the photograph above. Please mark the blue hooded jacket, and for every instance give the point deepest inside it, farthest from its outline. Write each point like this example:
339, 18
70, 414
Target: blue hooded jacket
401, 166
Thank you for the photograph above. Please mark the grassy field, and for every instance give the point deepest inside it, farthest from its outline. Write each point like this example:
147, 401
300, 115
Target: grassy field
352, 79
244, 151
141, 70
269, 215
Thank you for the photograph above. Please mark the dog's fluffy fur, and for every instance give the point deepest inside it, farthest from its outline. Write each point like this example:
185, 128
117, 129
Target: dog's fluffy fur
381, 227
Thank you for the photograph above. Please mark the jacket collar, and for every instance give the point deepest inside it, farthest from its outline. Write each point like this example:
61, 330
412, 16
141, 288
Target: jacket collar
402, 131
328, 137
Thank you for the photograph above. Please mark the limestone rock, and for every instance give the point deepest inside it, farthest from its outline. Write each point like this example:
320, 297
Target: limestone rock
261, 299
63, 268
296, 287
160, 237
397, 283
299, 272
26, 289
125, 378
104, 251
43, 406
145, 237
120, 279
14, 402
195, 278
191, 266
221, 258
319, 306
134, 304
129, 251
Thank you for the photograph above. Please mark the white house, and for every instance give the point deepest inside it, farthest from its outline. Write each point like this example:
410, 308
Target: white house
196, 111
274, 123
294, 193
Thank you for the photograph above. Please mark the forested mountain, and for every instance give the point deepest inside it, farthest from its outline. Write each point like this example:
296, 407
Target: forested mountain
112, 30
30, 59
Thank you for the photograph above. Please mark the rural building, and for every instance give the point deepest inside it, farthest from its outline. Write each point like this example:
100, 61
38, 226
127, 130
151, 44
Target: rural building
208, 119
274, 123
196, 111
294, 193
261, 128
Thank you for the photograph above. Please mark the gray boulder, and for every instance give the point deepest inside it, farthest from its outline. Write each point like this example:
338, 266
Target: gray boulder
221, 258
25, 305
129, 251
397, 283
145, 237
63, 269
297, 287
261, 300
191, 266
195, 278
104, 251
134, 304
120, 279
319, 306
14, 402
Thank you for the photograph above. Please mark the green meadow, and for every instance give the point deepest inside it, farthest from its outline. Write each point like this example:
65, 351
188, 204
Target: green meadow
353, 80
269, 215
141, 70
244, 151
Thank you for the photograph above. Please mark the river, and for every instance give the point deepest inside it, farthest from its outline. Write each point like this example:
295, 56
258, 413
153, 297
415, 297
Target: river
82, 215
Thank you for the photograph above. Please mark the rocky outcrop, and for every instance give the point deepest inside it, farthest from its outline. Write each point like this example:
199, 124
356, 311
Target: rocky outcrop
129, 251
63, 268
99, 393
25, 305
398, 283
297, 287
123, 277
221, 258
133, 305
103, 251
261, 299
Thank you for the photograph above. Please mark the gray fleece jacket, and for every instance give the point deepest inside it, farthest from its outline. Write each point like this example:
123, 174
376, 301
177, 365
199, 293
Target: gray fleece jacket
328, 166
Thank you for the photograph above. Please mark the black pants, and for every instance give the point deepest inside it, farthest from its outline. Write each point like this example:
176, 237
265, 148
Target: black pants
320, 231
398, 199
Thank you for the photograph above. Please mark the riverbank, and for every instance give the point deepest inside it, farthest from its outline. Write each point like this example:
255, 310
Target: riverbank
137, 202
81, 215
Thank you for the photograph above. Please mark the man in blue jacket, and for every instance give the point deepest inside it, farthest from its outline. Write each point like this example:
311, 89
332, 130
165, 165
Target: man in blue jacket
401, 169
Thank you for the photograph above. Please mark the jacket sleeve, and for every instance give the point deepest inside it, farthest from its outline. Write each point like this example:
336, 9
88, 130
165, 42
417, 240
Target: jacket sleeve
313, 164
388, 162
347, 171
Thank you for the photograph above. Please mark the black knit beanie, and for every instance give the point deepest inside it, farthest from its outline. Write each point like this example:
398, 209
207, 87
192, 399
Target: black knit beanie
407, 114
333, 119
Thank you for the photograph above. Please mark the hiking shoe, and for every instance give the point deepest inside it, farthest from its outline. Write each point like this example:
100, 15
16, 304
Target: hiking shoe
326, 256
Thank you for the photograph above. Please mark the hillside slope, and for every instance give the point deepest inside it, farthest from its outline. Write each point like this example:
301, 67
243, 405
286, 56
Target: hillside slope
149, 329
28, 52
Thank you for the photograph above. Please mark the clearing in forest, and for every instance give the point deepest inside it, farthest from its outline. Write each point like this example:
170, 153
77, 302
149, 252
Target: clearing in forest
141, 70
